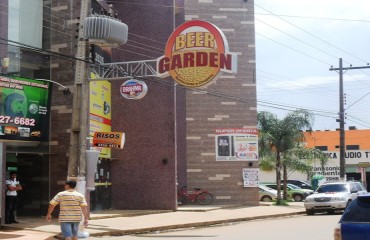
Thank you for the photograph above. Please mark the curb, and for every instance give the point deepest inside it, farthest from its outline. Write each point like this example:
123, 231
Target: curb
190, 225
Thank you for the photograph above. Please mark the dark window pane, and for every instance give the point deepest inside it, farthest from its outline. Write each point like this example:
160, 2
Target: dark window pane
322, 148
353, 147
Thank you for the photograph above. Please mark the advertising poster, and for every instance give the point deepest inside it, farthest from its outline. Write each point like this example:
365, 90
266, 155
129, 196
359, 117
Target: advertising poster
100, 111
250, 177
24, 109
237, 144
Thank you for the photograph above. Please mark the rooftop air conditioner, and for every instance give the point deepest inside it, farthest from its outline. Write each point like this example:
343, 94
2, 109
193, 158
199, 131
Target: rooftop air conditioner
105, 30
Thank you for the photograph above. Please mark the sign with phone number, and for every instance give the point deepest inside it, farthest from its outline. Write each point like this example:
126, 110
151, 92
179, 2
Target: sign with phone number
24, 109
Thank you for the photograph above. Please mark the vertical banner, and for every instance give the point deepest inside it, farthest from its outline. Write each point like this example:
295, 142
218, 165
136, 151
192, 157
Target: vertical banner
100, 110
237, 144
251, 177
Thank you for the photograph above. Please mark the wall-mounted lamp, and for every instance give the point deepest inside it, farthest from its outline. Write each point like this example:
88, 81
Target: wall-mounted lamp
66, 90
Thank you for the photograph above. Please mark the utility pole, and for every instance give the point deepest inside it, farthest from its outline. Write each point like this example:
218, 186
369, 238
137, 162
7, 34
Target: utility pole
80, 108
342, 145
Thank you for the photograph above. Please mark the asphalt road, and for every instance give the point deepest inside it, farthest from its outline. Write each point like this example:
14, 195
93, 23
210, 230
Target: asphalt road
302, 227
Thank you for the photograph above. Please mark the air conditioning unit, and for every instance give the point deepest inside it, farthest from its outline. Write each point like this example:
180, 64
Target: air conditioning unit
105, 31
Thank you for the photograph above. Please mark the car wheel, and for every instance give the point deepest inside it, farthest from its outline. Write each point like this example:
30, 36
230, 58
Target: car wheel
298, 198
266, 199
310, 212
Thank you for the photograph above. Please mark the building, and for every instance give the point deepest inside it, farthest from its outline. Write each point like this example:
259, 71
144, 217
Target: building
170, 134
357, 151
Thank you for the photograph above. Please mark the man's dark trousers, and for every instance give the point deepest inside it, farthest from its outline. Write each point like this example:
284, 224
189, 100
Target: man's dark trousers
10, 207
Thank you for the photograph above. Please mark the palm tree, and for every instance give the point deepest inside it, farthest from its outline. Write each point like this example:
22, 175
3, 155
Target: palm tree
280, 144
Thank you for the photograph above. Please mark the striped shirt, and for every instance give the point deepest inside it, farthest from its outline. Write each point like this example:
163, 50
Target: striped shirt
70, 202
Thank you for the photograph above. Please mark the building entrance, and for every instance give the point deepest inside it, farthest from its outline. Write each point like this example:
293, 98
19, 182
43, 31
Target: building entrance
33, 174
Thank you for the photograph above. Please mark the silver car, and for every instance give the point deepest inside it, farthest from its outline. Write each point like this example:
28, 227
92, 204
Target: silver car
333, 196
267, 194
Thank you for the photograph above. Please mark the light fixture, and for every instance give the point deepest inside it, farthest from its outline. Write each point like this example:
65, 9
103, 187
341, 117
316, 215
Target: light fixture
66, 90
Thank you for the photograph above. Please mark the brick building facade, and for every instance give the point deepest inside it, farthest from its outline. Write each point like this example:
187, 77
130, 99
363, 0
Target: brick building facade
169, 133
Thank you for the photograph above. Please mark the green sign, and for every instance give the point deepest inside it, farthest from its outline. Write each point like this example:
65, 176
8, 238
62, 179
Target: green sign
24, 109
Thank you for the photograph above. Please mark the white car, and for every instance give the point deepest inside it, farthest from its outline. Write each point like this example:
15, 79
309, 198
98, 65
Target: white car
267, 194
333, 196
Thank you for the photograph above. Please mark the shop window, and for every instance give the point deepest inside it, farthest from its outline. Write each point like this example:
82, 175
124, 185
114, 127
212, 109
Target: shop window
322, 148
352, 147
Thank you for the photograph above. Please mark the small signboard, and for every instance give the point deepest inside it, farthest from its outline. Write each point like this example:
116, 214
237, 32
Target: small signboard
109, 139
250, 177
133, 89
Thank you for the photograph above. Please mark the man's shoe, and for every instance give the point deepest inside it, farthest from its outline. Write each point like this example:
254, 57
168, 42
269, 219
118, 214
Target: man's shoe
8, 223
15, 221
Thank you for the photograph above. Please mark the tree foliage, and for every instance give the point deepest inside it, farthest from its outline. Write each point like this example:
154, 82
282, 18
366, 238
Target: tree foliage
280, 145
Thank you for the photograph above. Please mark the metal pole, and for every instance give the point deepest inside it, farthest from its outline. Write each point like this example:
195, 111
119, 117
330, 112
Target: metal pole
342, 145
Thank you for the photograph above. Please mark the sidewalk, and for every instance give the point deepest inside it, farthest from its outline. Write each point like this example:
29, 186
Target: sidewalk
122, 222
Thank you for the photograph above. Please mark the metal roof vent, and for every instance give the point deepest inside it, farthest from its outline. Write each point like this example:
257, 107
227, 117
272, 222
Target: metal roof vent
105, 30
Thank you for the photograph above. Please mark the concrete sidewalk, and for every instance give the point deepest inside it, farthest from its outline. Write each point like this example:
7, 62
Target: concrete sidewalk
122, 222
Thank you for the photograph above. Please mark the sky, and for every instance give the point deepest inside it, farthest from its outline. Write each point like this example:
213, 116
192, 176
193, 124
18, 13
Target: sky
297, 42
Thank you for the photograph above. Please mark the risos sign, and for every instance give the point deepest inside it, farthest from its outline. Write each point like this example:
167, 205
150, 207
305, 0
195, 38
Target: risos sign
109, 139
196, 53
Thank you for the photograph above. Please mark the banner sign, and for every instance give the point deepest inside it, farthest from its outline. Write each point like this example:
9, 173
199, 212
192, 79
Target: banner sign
100, 111
109, 139
196, 53
24, 109
237, 144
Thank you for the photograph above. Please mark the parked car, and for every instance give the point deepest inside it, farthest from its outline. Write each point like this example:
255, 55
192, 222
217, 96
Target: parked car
301, 184
333, 196
355, 221
267, 194
294, 192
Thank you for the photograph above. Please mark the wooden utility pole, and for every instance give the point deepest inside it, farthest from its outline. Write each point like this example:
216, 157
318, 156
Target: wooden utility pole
80, 108
342, 145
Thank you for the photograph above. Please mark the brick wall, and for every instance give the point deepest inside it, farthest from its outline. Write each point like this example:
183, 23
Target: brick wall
230, 102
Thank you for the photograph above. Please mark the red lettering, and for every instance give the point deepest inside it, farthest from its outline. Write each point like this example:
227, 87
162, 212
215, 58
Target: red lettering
202, 59
213, 59
225, 61
164, 65
188, 60
176, 62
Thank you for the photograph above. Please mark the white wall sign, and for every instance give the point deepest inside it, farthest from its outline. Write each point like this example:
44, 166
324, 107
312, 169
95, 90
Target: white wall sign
251, 177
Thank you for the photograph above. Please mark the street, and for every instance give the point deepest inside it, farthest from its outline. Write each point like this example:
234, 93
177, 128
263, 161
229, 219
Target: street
318, 227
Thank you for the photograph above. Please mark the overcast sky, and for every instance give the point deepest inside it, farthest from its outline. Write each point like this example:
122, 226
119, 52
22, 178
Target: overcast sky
297, 41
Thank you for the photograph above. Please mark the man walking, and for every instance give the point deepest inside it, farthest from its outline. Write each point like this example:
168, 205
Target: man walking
12, 186
72, 207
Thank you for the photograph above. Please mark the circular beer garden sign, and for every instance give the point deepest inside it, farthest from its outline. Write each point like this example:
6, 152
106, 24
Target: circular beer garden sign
196, 53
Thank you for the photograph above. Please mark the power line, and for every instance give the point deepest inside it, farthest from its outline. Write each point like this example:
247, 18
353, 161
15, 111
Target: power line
312, 34
319, 18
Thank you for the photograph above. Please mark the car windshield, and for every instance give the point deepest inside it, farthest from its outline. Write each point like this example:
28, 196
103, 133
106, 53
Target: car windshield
293, 186
332, 188
358, 211
266, 188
